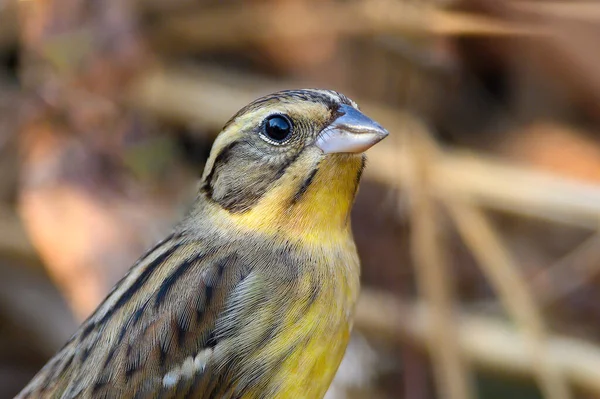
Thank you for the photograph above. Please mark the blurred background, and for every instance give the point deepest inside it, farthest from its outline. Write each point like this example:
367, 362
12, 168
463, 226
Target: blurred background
477, 221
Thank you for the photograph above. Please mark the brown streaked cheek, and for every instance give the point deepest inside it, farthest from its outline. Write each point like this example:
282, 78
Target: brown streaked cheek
238, 180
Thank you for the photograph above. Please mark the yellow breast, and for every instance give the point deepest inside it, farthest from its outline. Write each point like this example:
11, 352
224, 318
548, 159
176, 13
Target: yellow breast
315, 324
317, 329
308, 372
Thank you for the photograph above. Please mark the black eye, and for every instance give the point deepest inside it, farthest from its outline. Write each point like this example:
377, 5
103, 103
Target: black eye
278, 128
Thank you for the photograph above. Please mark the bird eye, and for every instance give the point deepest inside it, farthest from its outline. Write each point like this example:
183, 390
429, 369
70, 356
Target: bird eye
277, 129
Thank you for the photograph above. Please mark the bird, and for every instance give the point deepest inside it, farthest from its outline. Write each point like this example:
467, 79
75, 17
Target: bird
252, 294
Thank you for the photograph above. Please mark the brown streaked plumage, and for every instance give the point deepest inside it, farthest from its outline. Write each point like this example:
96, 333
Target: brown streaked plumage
252, 295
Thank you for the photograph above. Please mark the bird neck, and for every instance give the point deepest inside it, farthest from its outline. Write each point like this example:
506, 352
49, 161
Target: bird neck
321, 207
309, 203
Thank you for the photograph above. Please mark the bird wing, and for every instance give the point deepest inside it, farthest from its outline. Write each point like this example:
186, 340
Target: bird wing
166, 329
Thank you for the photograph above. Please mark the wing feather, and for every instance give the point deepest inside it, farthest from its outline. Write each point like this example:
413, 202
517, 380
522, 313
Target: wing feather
154, 333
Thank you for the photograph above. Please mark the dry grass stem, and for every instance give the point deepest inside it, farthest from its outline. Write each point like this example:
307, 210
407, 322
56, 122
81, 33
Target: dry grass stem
497, 185
484, 341
569, 273
452, 375
506, 278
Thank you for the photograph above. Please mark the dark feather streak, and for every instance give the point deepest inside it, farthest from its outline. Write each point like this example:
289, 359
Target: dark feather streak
208, 294
183, 324
305, 184
88, 329
139, 283
363, 164
211, 342
221, 159
111, 355
168, 283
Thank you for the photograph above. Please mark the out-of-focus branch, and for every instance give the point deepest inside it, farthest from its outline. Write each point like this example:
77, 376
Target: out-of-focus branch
503, 273
485, 341
208, 98
435, 283
497, 185
505, 276
569, 273
233, 25
581, 10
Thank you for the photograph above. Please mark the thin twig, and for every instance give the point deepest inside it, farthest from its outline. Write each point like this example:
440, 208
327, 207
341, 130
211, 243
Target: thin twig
569, 273
498, 185
505, 276
485, 341
452, 375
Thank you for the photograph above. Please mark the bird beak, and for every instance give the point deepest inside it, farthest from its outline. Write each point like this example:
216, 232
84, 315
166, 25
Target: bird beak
352, 132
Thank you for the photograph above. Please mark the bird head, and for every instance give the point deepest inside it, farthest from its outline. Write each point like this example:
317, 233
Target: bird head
291, 161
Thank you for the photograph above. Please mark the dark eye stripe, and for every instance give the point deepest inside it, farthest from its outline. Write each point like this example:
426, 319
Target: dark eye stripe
238, 196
